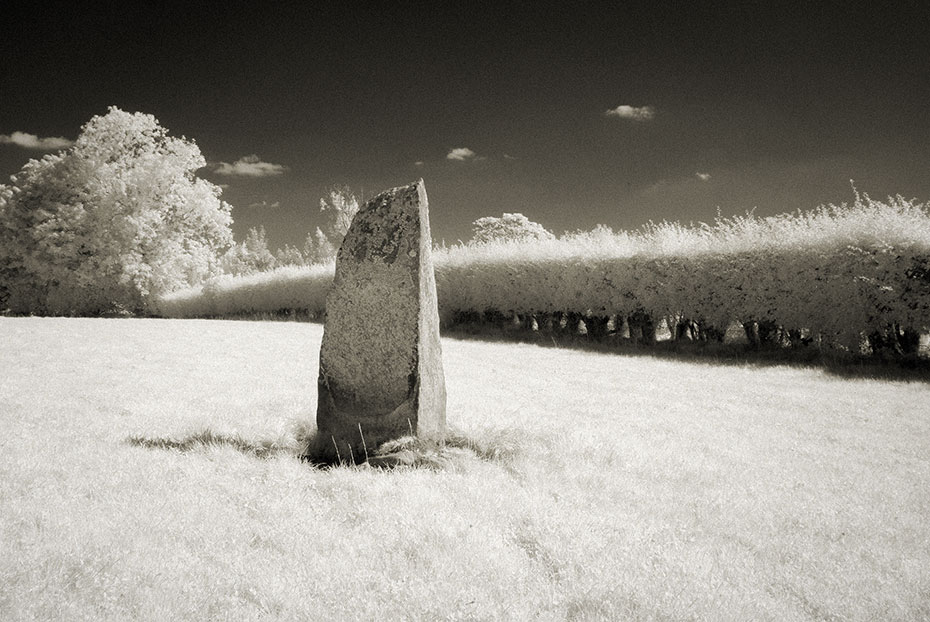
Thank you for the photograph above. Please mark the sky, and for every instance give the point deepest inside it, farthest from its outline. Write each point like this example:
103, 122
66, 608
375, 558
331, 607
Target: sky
614, 113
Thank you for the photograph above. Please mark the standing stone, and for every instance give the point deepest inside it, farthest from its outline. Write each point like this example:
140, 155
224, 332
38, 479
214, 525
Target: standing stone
380, 360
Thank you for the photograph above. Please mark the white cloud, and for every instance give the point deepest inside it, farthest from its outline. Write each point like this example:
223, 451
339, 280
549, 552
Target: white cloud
460, 153
265, 205
509, 157
418, 163
250, 166
31, 141
703, 176
642, 113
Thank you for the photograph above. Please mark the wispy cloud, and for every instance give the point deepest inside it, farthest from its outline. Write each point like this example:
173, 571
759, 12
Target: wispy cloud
250, 166
683, 184
265, 205
461, 154
31, 141
418, 163
634, 113
507, 156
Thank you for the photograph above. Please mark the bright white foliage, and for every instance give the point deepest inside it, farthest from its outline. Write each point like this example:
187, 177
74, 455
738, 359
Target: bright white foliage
318, 249
508, 228
341, 207
839, 271
116, 219
288, 287
249, 256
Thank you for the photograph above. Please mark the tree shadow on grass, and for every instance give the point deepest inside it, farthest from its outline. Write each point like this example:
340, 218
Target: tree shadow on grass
841, 364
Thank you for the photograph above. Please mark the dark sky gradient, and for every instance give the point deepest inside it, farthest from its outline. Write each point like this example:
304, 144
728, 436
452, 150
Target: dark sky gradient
780, 107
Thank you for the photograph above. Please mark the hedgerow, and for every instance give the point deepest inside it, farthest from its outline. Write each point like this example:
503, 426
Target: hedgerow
840, 273
301, 288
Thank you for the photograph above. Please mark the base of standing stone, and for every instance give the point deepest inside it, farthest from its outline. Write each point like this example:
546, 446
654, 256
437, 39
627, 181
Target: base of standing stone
404, 452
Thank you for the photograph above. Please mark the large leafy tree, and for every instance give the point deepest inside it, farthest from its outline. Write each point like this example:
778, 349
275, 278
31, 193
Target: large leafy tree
110, 223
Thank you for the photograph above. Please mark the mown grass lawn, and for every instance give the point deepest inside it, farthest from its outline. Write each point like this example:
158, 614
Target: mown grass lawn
625, 487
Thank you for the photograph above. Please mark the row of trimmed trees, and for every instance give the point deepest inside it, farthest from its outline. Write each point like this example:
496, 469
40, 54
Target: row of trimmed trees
893, 340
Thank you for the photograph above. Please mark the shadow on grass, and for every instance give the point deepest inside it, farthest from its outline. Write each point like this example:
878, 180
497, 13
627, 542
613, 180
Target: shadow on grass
205, 439
838, 363
454, 453
842, 364
500, 446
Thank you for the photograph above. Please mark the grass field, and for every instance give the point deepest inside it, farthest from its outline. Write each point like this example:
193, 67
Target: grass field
609, 486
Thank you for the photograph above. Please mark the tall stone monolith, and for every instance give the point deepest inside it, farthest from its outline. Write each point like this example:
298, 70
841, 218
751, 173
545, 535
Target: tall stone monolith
381, 370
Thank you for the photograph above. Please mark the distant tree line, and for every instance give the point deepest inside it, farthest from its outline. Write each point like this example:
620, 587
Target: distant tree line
252, 255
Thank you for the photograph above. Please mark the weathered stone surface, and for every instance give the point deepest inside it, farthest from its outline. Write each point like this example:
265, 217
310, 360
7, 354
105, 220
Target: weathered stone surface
381, 360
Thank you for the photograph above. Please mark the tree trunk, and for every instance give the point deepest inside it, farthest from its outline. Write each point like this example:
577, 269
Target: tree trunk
597, 327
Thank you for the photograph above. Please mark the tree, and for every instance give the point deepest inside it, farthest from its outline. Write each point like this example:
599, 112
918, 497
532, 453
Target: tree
289, 256
109, 223
508, 228
318, 248
341, 208
249, 256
